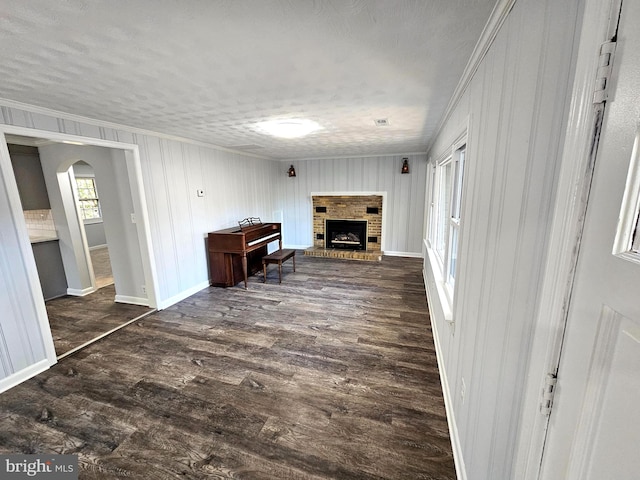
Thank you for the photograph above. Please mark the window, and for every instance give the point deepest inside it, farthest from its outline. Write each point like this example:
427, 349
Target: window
443, 198
446, 212
454, 218
627, 240
88, 201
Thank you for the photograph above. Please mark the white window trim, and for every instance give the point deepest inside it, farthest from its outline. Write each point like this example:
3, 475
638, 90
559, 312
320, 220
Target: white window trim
439, 267
446, 302
431, 179
454, 223
441, 256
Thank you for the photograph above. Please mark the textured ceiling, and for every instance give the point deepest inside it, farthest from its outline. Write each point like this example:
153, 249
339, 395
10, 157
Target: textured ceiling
210, 70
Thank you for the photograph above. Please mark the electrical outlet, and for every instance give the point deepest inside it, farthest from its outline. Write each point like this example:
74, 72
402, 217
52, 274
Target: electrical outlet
133, 218
144, 289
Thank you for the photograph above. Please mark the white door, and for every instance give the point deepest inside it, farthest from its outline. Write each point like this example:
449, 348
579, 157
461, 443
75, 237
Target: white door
594, 428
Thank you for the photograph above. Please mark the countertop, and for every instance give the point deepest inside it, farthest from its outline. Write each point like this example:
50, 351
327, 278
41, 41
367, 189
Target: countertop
42, 237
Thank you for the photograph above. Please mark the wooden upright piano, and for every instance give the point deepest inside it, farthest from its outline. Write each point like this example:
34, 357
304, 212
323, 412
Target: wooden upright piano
236, 252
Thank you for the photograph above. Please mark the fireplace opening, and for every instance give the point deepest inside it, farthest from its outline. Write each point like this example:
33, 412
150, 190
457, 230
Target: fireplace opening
346, 234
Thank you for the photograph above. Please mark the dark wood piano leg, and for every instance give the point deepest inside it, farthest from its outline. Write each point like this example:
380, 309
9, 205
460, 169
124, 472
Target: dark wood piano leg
244, 269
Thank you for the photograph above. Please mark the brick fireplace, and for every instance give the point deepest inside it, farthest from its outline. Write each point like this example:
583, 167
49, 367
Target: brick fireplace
365, 210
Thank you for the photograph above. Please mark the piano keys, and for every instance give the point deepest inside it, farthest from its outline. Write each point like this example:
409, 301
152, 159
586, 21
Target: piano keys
236, 252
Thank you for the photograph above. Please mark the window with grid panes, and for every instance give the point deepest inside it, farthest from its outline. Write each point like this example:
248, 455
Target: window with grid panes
88, 200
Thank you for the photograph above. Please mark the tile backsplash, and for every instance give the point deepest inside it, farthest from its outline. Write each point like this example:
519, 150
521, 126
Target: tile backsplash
39, 221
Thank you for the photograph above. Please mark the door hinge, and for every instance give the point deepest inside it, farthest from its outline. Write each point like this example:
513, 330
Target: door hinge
548, 392
603, 76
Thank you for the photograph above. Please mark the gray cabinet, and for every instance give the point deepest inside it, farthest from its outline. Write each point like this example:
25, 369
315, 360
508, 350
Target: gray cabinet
50, 268
29, 177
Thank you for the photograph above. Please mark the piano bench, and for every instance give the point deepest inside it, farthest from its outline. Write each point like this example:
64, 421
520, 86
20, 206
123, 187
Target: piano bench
278, 257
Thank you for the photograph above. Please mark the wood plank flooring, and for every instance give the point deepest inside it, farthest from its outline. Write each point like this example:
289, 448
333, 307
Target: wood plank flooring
77, 320
330, 375
101, 267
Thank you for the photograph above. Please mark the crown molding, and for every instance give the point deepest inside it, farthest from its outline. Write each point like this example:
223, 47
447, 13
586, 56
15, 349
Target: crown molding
488, 35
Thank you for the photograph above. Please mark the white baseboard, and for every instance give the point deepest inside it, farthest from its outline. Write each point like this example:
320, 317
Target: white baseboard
24, 374
132, 300
402, 254
385, 252
162, 304
80, 293
458, 460
98, 247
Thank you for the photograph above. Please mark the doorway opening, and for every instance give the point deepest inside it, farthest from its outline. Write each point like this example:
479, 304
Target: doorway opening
107, 282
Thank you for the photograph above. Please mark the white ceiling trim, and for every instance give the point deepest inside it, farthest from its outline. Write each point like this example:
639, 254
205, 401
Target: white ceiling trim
116, 126
488, 35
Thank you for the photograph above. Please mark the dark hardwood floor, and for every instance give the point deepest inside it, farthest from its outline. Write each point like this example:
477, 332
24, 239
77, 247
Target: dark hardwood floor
330, 375
75, 321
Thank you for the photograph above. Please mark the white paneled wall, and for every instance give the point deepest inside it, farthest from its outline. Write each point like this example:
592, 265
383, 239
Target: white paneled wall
403, 211
23, 349
516, 106
235, 185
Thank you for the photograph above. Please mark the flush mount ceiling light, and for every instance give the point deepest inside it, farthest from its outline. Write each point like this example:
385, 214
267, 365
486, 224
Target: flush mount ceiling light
290, 128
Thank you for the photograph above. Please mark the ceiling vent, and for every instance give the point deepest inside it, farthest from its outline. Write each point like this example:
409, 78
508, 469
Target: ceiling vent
381, 122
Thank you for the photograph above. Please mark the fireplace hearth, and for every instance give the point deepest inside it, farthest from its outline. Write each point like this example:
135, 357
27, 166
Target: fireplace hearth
346, 234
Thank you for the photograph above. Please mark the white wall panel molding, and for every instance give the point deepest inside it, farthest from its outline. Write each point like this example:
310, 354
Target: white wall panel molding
172, 203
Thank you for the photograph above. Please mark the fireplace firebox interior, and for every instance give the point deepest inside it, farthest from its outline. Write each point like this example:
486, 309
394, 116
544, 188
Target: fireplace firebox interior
346, 234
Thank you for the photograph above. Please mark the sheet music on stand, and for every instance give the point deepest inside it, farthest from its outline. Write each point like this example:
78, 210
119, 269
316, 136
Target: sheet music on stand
249, 222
